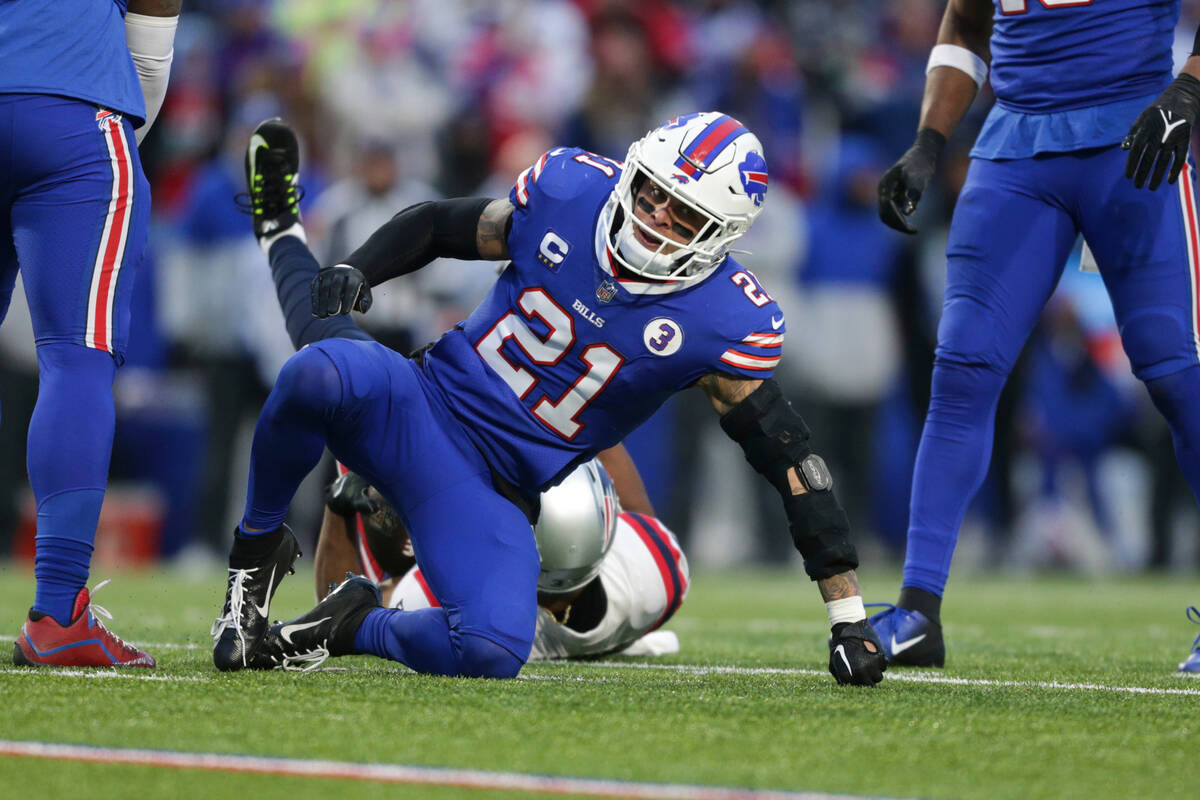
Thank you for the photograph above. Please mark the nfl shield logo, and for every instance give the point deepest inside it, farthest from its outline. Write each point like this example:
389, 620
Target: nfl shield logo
606, 291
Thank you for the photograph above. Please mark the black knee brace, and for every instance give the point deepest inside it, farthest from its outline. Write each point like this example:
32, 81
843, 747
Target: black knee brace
775, 441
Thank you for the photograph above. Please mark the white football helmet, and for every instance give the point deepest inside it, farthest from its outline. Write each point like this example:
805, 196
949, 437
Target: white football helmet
710, 162
576, 528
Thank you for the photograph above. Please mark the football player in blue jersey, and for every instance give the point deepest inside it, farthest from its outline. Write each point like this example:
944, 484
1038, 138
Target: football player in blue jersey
1070, 78
619, 291
81, 84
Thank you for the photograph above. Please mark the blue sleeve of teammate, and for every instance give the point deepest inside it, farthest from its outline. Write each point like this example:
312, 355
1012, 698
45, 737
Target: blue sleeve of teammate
293, 268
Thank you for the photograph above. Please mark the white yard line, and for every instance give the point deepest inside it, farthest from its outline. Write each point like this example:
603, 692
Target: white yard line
59, 672
399, 773
922, 676
891, 675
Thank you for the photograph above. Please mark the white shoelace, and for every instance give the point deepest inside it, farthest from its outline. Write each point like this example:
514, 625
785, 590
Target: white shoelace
101, 610
305, 662
233, 619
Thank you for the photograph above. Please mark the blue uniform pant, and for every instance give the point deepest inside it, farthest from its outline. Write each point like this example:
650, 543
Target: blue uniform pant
1014, 225
74, 208
378, 415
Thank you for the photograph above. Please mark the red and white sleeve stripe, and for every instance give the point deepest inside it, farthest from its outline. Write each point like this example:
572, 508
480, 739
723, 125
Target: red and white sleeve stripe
756, 352
528, 178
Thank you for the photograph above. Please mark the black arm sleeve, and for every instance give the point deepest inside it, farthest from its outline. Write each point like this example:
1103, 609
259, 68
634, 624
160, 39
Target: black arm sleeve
774, 440
418, 235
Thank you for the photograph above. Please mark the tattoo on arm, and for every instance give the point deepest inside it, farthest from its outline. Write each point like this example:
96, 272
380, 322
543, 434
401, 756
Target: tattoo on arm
492, 236
156, 8
725, 391
840, 586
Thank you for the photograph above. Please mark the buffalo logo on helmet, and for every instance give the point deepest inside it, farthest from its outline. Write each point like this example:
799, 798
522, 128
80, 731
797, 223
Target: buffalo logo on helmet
753, 171
680, 121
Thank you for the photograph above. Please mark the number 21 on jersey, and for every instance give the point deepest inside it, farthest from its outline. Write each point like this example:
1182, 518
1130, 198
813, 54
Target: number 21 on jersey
600, 360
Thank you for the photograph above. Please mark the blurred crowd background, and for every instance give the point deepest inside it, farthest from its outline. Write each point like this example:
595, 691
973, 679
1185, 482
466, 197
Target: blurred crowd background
398, 101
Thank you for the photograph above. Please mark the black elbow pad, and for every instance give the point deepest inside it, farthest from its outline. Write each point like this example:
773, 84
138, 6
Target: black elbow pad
775, 440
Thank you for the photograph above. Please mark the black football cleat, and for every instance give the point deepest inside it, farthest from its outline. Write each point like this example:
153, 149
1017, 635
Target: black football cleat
272, 175
305, 642
254, 576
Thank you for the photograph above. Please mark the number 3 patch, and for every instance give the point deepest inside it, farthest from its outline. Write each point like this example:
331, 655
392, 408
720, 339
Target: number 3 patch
662, 336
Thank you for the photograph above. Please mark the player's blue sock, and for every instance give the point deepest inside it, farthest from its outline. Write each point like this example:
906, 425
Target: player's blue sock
1176, 396
293, 268
290, 436
424, 641
70, 442
952, 462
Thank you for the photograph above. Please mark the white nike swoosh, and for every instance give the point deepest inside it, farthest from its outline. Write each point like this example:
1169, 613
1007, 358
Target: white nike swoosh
776, 323
287, 630
1170, 126
841, 651
256, 141
264, 610
900, 647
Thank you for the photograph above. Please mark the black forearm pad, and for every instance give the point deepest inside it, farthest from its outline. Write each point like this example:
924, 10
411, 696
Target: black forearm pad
775, 439
772, 434
418, 235
821, 532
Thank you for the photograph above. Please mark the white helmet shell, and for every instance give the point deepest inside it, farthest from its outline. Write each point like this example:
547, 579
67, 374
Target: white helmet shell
710, 162
576, 528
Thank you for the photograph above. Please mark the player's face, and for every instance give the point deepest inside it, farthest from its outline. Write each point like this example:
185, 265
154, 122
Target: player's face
670, 219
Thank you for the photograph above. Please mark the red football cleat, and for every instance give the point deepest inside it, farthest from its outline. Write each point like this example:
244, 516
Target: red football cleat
83, 643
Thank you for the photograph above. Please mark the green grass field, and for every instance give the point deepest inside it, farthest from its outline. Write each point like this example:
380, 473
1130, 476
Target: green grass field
1039, 700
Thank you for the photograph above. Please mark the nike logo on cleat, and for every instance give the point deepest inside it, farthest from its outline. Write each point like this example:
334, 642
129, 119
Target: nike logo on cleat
900, 647
287, 630
264, 610
256, 141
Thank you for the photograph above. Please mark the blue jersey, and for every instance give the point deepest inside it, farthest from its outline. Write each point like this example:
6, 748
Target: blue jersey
563, 358
1055, 55
72, 48
1073, 74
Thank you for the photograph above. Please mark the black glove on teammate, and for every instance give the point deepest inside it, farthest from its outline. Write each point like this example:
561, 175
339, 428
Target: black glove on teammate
348, 496
340, 289
856, 654
901, 187
1161, 134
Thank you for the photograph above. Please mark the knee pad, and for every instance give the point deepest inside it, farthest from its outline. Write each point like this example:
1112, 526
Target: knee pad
482, 658
309, 380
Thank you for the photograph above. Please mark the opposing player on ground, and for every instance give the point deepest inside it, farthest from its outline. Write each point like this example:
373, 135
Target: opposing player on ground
81, 83
1070, 78
610, 575
620, 291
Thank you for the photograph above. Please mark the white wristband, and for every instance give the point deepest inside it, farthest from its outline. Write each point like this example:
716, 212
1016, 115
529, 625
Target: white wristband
848, 609
960, 58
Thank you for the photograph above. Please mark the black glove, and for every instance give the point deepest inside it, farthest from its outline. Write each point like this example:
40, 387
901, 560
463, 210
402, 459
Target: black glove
856, 654
348, 496
1161, 134
901, 187
340, 289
